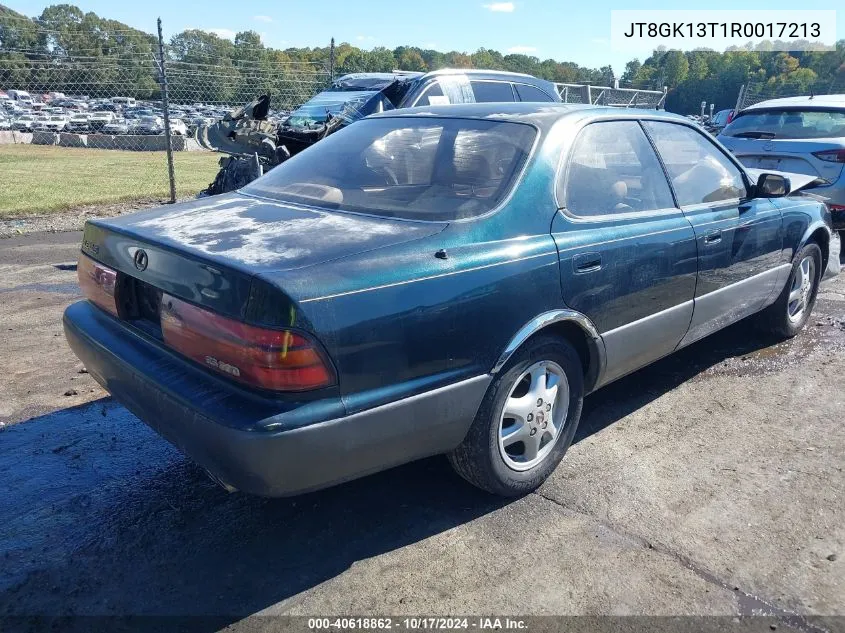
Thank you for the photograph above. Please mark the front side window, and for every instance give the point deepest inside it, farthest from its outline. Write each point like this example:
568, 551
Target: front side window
415, 168
492, 91
699, 171
613, 169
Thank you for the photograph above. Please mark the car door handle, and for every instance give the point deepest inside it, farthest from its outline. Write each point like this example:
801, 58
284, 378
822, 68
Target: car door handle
586, 262
713, 238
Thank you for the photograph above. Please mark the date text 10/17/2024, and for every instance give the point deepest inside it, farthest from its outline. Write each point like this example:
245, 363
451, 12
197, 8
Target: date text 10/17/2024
417, 624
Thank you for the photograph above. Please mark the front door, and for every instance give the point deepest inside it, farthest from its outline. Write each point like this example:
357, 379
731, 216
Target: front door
739, 238
627, 253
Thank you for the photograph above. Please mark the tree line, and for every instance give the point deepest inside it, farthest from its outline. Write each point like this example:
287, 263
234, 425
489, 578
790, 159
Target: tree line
107, 56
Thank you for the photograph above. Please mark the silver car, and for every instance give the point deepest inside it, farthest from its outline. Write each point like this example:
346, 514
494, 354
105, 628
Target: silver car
804, 135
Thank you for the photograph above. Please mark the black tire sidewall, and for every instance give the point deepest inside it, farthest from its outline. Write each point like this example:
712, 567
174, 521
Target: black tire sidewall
514, 482
792, 328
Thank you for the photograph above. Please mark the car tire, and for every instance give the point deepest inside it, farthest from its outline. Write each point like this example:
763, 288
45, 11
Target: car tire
788, 315
489, 456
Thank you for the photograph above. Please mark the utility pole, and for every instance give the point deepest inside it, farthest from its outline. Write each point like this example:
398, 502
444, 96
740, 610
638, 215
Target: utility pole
162, 72
331, 61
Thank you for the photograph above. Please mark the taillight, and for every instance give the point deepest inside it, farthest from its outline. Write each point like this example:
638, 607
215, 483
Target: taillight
836, 207
97, 283
831, 155
280, 360
731, 116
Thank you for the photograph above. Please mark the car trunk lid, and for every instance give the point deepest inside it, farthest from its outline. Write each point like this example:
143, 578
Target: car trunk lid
212, 251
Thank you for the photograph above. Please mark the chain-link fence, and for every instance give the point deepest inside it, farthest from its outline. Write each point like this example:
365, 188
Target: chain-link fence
615, 96
123, 101
130, 91
755, 92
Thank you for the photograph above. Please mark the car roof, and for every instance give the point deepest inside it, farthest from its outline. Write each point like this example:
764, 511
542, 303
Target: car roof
502, 75
542, 115
806, 101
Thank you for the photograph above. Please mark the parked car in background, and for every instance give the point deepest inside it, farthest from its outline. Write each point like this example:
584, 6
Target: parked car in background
118, 126
20, 96
40, 123
23, 123
804, 135
54, 123
5, 123
123, 102
100, 118
718, 121
78, 123
178, 127
149, 125
249, 131
452, 279
105, 106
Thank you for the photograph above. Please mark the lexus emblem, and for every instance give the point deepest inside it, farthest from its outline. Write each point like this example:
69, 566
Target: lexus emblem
141, 260
768, 146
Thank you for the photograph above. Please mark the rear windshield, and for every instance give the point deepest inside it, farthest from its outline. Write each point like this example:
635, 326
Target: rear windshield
787, 124
414, 168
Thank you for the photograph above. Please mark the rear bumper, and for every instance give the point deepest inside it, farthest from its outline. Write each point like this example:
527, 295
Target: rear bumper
225, 430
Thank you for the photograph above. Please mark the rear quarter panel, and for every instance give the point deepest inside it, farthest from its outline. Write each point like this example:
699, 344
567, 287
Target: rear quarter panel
803, 215
400, 321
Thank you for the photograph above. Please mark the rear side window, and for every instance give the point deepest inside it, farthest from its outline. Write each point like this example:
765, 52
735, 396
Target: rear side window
613, 169
530, 93
492, 91
788, 124
415, 168
699, 171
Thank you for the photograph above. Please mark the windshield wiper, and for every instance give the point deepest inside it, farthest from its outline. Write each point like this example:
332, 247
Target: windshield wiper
754, 135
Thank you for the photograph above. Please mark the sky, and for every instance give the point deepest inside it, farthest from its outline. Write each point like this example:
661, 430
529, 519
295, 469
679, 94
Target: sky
565, 31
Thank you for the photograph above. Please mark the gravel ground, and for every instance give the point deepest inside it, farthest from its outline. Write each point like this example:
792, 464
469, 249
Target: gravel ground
73, 220
709, 484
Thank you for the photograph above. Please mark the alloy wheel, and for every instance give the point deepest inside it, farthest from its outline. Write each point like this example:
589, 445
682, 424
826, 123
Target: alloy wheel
534, 415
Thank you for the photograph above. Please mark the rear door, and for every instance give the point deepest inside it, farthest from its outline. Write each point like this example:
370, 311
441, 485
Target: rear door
739, 238
627, 253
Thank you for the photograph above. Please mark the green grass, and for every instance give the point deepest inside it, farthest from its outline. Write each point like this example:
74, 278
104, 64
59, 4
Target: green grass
37, 179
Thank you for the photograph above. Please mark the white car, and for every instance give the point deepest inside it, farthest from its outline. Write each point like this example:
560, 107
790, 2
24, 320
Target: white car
54, 123
118, 126
40, 123
5, 123
24, 123
78, 123
177, 126
98, 120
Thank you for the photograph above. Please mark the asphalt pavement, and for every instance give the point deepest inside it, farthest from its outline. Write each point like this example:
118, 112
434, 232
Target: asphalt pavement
709, 484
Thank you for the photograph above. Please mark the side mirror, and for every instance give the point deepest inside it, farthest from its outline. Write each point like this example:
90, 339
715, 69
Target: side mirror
773, 186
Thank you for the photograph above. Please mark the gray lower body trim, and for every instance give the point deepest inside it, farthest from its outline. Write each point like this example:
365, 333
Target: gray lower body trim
729, 304
273, 463
636, 344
